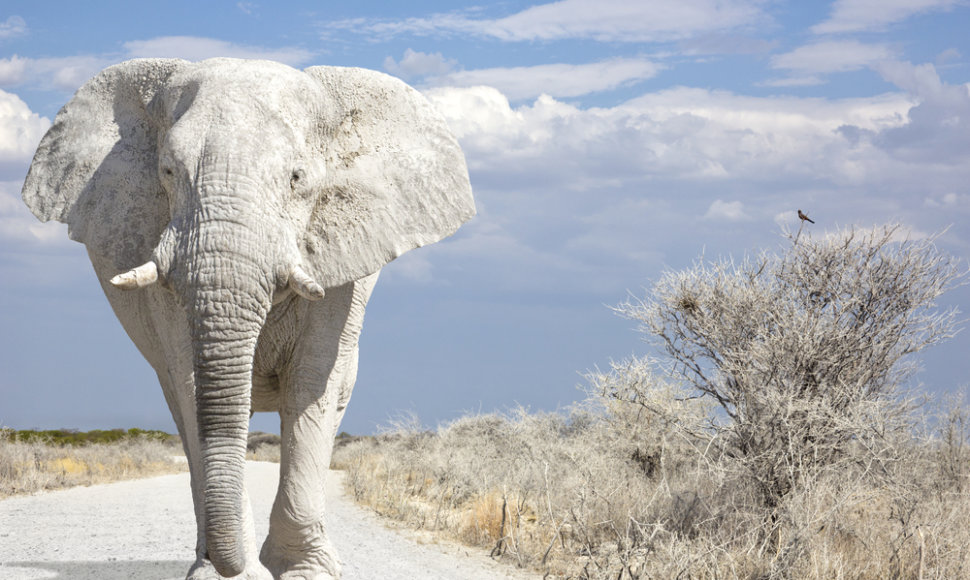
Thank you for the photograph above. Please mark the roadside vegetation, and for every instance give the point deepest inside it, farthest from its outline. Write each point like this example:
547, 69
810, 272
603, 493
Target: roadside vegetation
777, 434
32, 461
263, 447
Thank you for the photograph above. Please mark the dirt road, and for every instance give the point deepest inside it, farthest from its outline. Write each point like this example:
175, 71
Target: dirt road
145, 530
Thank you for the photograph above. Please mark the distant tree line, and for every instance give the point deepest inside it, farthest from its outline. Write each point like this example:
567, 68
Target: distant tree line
75, 437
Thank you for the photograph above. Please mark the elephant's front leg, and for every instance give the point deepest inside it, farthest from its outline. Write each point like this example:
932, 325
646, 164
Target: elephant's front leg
314, 391
298, 546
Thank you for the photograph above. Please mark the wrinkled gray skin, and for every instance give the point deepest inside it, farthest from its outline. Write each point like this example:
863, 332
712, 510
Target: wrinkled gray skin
237, 213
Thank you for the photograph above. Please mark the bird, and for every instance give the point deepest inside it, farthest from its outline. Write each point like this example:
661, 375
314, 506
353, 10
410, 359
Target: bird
805, 218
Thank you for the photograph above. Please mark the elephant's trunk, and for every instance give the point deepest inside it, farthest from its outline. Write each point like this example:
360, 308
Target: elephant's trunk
224, 263
227, 305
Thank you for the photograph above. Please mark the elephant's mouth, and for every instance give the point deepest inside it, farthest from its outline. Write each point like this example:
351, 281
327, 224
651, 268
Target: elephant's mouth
145, 275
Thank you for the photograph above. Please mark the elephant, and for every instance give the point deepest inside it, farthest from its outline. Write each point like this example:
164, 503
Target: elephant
237, 214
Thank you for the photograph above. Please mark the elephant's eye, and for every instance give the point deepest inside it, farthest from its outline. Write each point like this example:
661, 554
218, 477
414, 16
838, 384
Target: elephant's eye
296, 178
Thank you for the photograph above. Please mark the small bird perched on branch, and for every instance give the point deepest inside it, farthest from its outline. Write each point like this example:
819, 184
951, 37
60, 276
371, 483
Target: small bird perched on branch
805, 218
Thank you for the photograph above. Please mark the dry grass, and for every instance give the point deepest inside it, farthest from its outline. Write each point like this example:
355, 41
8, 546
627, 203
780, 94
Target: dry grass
264, 452
263, 447
31, 466
613, 494
32, 461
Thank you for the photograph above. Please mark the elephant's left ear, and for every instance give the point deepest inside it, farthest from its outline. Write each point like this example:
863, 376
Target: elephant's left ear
396, 180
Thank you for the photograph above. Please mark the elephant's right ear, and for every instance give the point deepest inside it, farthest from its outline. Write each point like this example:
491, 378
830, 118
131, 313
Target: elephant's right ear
96, 168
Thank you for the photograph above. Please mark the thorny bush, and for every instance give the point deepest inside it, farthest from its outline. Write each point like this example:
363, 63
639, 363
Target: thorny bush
774, 437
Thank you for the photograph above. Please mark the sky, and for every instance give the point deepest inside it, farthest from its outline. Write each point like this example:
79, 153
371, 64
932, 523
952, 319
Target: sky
607, 141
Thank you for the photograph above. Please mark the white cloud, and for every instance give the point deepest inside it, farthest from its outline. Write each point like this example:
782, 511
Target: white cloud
198, 48
69, 73
12, 27
732, 211
795, 81
696, 138
951, 201
918, 80
601, 20
65, 74
950, 55
419, 64
18, 225
863, 15
20, 132
621, 20
13, 71
557, 80
808, 62
643, 183
937, 127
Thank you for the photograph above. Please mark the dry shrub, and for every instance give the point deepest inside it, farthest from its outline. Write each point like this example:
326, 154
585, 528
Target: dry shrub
803, 352
484, 521
776, 440
539, 489
262, 446
265, 452
572, 495
28, 467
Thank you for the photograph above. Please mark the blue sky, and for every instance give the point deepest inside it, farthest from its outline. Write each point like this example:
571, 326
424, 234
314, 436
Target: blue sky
606, 140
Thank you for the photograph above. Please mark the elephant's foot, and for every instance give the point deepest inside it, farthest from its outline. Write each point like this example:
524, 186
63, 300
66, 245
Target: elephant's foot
311, 566
204, 570
316, 561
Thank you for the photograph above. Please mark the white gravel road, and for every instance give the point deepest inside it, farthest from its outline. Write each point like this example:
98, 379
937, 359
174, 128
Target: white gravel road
145, 530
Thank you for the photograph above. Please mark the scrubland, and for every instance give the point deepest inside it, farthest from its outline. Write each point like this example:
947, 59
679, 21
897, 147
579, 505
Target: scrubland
776, 434
263, 447
598, 493
32, 461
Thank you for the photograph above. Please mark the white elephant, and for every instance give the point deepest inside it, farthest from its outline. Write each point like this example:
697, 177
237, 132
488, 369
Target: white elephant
237, 214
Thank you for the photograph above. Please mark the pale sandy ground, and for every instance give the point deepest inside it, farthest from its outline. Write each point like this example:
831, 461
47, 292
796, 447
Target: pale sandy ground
145, 530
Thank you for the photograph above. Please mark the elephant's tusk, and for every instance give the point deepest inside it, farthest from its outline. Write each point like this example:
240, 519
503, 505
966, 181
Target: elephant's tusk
144, 275
304, 285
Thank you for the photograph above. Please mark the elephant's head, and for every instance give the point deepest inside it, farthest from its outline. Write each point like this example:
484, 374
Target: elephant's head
233, 184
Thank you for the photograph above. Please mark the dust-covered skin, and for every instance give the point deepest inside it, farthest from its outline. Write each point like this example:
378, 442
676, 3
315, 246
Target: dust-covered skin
143, 529
237, 214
